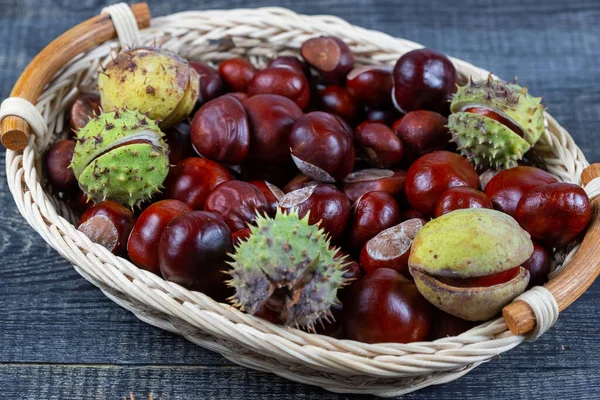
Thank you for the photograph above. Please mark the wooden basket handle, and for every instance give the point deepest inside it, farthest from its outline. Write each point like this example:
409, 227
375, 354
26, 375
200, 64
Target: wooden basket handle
574, 279
31, 83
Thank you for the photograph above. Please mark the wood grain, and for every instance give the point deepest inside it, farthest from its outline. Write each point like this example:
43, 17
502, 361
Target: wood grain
62, 339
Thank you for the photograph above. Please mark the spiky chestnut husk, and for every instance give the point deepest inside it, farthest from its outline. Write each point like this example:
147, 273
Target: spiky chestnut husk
485, 141
150, 80
287, 265
120, 156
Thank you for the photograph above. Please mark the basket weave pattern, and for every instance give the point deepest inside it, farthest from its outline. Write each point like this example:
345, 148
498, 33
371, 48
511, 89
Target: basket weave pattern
337, 365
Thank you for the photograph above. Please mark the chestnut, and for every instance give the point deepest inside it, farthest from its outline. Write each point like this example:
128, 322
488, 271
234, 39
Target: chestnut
460, 197
285, 82
379, 145
371, 213
179, 142
84, 108
423, 131
193, 179
237, 72
211, 83
330, 56
554, 214
271, 118
277, 174
385, 116
424, 79
272, 193
240, 96
142, 245
220, 131
391, 248
240, 236
237, 202
507, 187
538, 265
298, 182
321, 146
371, 85
447, 325
326, 205
410, 214
78, 200
434, 173
108, 224
375, 180
193, 252
337, 100
290, 62
385, 307
57, 163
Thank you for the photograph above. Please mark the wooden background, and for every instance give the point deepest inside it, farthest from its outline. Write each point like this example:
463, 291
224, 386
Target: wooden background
60, 338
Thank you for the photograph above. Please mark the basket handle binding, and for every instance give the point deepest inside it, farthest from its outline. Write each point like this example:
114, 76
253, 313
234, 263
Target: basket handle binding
31, 83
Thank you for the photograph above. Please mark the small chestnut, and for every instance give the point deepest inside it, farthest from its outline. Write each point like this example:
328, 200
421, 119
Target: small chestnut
423, 131
371, 85
237, 72
84, 108
272, 193
298, 182
554, 214
379, 145
142, 245
237, 202
461, 197
179, 142
57, 163
325, 204
220, 131
538, 265
285, 82
330, 56
337, 100
321, 146
372, 213
290, 62
375, 180
211, 83
108, 224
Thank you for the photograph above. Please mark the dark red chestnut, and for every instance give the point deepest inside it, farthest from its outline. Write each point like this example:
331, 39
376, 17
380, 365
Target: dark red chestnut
447, 325
385, 307
237, 202
423, 131
321, 146
424, 79
460, 197
271, 118
272, 193
211, 83
108, 224
298, 182
507, 187
290, 62
142, 245
57, 163
371, 85
240, 236
240, 96
337, 100
554, 214
220, 131
85, 107
326, 204
78, 200
285, 82
385, 116
193, 252
330, 56
179, 142
237, 72
193, 179
375, 180
434, 173
372, 213
379, 145
538, 265
410, 214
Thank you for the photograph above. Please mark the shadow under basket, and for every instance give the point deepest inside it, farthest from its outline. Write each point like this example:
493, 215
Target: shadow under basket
70, 65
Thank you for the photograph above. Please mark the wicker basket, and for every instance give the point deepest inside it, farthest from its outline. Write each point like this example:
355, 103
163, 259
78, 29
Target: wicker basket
71, 63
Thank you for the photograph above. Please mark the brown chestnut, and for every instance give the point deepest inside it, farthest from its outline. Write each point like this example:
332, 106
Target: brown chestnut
330, 56
379, 145
375, 180
285, 82
237, 202
193, 179
433, 174
108, 224
85, 107
237, 72
372, 213
507, 187
272, 193
290, 62
211, 83
447, 325
423, 131
554, 214
220, 131
337, 100
321, 146
271, 118
298, 182
142, 245
57, 163
371, 85
325, 204
179, 142
193, 251
461, 197
240, 236
384, 307
538, 265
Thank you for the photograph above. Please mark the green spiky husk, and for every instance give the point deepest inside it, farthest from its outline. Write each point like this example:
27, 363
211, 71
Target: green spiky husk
485, 141
287, 262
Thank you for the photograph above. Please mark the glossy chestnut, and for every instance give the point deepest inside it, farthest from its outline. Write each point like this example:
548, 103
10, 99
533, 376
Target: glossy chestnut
378, 144
108, 224
84, 108
337, 100
237, 72
554, 214
330, 56
371, 85
211, 83
272, 193
290, 62
240, 236
460, 197
538, 265
372, 213
285, 82
385, 307
423, 131
298, 182
220, 131
57, 163
375, 180
179, 142
142, 245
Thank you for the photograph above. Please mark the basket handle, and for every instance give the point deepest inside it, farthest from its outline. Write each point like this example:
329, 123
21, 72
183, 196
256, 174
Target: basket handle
574, 279
31, 83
